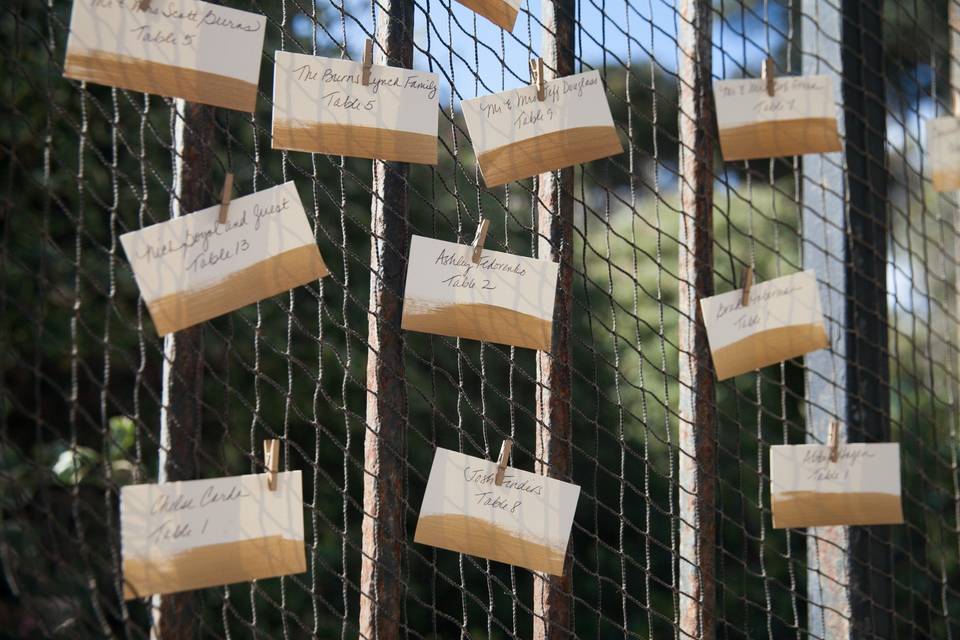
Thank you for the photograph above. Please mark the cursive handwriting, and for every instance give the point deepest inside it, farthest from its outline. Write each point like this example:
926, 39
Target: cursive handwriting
197, 246
379, 78
823, 470
487, 263
527, 110
204, 16
166, 503
765, 295
484, 477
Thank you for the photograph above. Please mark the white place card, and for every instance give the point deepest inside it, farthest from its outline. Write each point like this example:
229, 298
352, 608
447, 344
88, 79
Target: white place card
505, 298
320, 105
943, 140
782, 321
526, 521
198, 51
516, 136
861, 487
178, 536
800, 118
193, 268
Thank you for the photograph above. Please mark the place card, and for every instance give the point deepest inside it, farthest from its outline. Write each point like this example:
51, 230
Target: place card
198, 51
782, 321
502, 13
861, 487
505, 298
192, 268
525, 521
320, 106
800, 118
516, 136
943, 139
178, 536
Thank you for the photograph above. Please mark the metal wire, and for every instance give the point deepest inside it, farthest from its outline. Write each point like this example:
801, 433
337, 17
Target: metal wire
81, 363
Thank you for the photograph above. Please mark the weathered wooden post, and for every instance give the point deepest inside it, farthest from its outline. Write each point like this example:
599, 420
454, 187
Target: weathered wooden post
385, 439
175, 616
697, 397
552, 595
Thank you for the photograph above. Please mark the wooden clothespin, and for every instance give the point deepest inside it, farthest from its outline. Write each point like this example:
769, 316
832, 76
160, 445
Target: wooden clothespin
271, 460
479, 239
144, 5
367, 62
833, 440
536, 78
747, 280
502, 461
225, 196
769, 73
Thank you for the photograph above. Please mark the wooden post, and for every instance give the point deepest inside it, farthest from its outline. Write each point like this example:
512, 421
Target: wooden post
697, 396
552, 595
381, 584
823, 187
175, 616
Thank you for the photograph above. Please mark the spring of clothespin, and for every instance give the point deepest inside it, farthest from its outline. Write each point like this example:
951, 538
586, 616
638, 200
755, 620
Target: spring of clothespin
271, 460
502, 461
479, 239
747, 280
225, 196
769, 73
367, 62
833, 440
536, 78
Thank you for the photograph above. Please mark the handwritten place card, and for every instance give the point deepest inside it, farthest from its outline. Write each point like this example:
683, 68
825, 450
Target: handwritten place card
515, 136
526, 521
178, 536
782, 321
199, 51
505, 298
800, 118
861, 487
320, 105
943, 138
193, 268
502, 13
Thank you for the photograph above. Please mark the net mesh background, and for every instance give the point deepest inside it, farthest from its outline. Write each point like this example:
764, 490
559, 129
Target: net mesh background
82, 366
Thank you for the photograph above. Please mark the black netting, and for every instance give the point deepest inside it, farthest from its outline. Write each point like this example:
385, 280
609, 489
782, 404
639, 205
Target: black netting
83, 368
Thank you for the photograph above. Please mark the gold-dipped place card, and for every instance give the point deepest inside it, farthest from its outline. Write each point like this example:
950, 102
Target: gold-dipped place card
192, 268
808, 489
799, 118
178, 536
503, 298
782, 320
198, 51
525, 521
516, 136
943, 140
320, 105
502, 13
